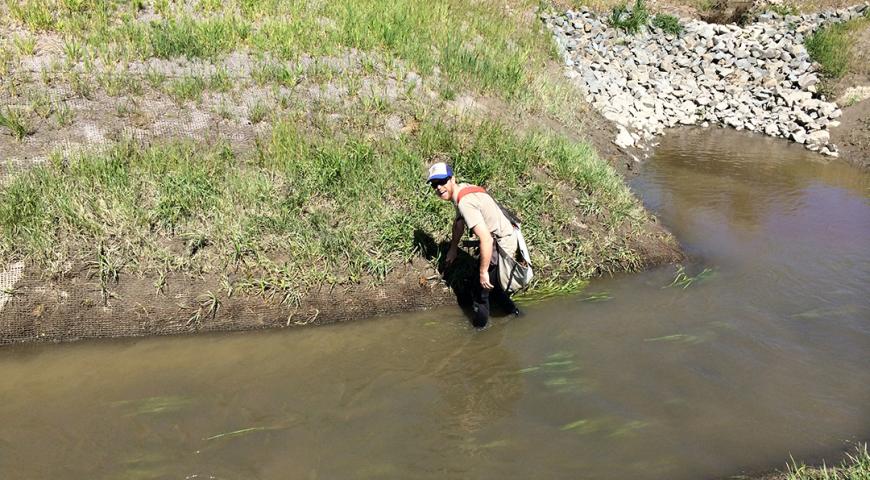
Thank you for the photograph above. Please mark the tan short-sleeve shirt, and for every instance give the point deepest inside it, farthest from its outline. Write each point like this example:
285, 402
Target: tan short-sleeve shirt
480, 208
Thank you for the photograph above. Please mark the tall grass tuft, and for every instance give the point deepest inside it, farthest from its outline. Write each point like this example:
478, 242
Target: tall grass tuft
16, 121
195, 38
668, 24
630, 21
832, 46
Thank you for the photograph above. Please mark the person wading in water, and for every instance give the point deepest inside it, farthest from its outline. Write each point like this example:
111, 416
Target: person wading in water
478, 212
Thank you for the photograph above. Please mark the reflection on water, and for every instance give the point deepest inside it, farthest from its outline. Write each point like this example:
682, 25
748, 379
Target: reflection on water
757, 349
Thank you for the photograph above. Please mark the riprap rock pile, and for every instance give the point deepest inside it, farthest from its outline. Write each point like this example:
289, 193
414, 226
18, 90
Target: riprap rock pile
757, 77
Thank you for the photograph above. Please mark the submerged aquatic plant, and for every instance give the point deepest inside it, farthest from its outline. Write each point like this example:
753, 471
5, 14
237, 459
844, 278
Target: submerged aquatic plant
684, 280
550, 289
153, 405
598, 297
559, 373
245, 431
681, 338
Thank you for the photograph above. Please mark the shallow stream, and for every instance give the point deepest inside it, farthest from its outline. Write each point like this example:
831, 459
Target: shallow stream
757, 350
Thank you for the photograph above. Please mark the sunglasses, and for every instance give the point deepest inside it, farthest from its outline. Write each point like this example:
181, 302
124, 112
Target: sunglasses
438, 183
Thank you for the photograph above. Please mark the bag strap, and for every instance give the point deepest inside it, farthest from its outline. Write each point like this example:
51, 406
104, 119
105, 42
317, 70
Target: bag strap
467, 190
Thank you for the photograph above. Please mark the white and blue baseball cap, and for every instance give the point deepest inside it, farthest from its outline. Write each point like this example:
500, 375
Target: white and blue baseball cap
439, 171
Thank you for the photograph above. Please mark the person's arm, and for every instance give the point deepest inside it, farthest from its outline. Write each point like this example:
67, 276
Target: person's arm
485, 253
458, 230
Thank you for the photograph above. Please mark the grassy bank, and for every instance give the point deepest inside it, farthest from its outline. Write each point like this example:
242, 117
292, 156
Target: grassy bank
304, 210
855, 467
466, 46
275, 147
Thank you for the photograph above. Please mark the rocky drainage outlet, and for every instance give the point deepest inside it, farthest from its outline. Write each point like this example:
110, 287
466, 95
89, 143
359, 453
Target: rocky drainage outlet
758, 77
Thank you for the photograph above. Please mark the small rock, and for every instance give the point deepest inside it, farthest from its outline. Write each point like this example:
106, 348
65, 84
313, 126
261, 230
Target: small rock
799, 135
623, 138
807, 80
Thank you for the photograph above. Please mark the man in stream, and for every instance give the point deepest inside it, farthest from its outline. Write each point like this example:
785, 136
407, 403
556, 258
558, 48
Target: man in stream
478, 212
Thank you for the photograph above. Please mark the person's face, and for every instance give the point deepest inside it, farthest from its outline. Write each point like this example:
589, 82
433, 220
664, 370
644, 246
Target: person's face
442, 188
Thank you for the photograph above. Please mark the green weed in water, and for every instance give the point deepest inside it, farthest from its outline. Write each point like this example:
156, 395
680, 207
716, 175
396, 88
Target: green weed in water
246, 431
827, 312
683, 338
574, 425
609, 426
629, 428
154, 405
598, 297
557, 373
550, 289
684, 280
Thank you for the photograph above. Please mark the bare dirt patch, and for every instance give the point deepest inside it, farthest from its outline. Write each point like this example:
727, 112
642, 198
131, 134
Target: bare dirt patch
853, 134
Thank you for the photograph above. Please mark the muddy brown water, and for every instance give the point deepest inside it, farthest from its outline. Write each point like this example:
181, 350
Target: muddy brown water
763, 355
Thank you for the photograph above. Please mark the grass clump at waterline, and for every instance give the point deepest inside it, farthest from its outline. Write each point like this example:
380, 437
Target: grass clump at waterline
305, 210
855, 467
832, 47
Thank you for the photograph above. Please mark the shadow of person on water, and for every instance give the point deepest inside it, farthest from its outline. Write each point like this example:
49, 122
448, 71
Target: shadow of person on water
459, 275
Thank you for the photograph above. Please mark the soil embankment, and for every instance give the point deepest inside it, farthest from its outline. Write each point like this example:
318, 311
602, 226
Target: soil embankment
175, 169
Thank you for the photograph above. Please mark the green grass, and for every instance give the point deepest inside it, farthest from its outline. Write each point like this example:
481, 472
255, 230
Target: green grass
275, 73
305, 209
25, 45
855, 467
784, 9
630, 21
63, 114
35, 14
185, 89
322, 197
220, 80
16, 122
668, 24
186, 37
74, 50
832, 46
474, 44
258, 112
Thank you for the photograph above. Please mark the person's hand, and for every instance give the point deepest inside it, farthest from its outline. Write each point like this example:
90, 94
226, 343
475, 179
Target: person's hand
451, 256
484, 280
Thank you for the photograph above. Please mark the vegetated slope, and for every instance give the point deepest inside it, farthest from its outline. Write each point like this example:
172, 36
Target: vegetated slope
197, 160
